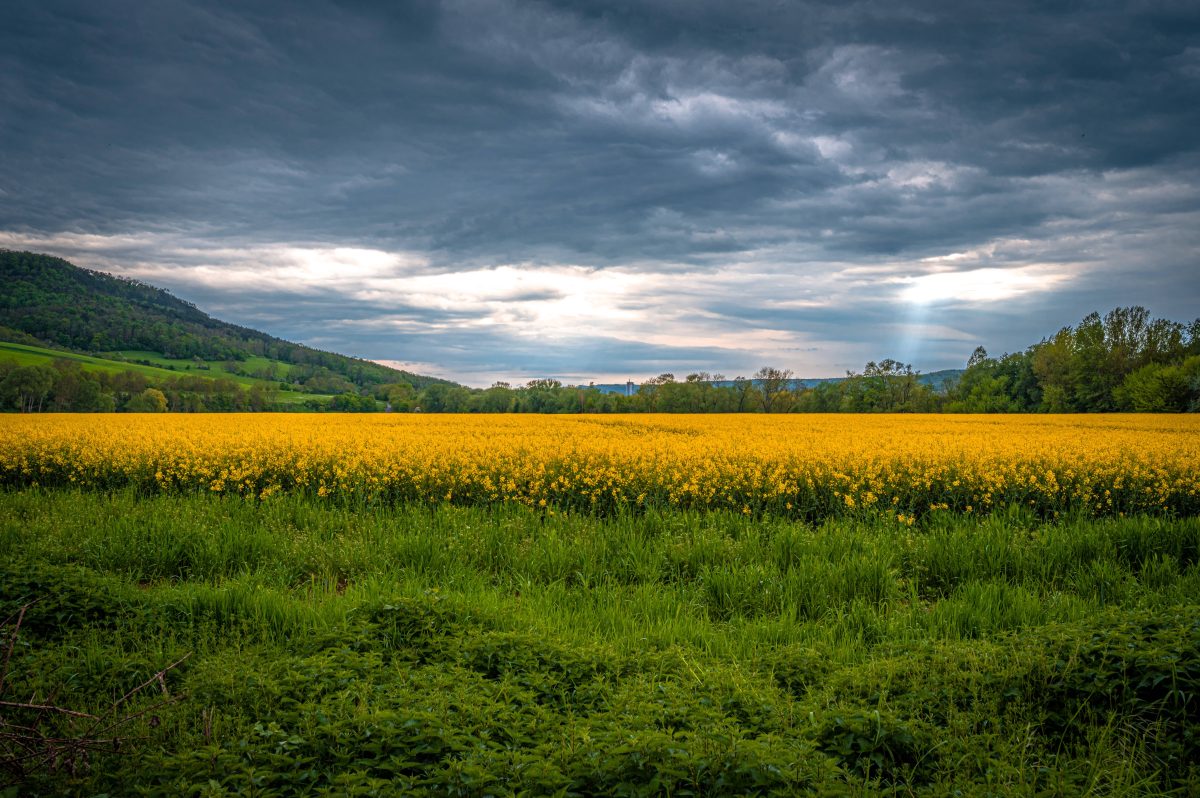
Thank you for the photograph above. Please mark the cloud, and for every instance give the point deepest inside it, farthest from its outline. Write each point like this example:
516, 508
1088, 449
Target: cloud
979, 285
741, 182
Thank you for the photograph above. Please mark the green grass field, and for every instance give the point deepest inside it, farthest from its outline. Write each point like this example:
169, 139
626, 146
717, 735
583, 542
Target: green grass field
212, 368
26, 355
465, 651
37, 356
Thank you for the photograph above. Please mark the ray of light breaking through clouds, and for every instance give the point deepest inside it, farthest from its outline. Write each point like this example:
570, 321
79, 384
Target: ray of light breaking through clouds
505, 190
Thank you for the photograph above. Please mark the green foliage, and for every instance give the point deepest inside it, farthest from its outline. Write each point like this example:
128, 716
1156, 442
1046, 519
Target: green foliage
984, 387
875, 746
60, 598
497, 651
350, 402
888, 386
1143, 669
1086, 368
1125, 361
1162, 388
26, 387
150, 400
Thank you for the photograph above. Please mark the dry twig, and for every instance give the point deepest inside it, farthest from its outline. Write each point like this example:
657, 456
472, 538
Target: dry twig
26, 748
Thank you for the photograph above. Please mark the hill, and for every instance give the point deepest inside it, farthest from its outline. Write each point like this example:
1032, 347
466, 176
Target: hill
49, 302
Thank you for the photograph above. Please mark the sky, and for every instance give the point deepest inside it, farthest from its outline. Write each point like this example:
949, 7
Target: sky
595, 191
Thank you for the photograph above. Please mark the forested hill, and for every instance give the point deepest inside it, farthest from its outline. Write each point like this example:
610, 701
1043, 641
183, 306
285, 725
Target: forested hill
62, 305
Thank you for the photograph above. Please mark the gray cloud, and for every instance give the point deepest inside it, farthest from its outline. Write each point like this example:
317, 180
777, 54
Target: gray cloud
725, 152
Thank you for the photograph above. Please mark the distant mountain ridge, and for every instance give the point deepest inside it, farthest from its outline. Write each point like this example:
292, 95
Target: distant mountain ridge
51, 301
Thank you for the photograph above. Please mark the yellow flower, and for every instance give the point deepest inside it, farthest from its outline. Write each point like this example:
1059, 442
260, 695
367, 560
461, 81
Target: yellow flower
1104, 465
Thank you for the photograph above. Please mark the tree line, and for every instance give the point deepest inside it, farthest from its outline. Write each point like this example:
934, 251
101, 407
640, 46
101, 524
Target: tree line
1124, 361
887, 386
63, 386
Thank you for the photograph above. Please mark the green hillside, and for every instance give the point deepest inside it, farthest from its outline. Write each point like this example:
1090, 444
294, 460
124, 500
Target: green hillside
48, 301
26, 355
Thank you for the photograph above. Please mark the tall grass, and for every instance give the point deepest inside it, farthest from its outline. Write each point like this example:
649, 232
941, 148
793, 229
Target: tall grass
649, 653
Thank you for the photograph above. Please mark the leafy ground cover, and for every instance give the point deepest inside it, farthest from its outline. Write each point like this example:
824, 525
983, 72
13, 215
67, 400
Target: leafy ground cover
381, 650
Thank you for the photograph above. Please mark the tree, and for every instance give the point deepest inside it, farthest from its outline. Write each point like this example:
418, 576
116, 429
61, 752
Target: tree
773, 384
1052, 365
982, 388
400, 396
825, 397
26, 387
1021, 384
497, 399
74, 389
443, 398
261, 398
746, 392
540, 396
1085, 368
891, 385
1100, 348
1161, 388
352, 402
150, 400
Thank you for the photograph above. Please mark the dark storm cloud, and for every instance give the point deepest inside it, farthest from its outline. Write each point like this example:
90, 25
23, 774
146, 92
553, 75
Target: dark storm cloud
667, 137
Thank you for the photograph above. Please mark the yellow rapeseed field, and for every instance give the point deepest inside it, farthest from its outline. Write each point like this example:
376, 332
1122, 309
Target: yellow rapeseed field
807, 466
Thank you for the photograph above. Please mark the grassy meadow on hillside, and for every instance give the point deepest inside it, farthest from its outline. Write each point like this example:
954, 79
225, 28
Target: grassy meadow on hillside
159, 369
719, 621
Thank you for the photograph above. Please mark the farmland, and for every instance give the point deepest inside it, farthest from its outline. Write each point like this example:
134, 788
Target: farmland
618, 605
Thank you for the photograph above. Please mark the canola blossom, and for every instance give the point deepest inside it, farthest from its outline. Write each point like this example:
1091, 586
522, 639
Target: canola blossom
803, 466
